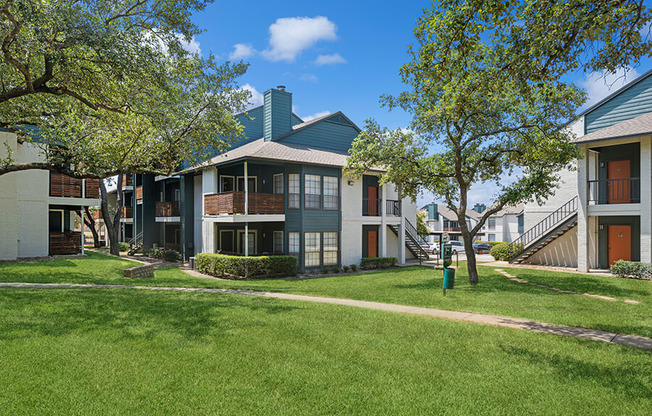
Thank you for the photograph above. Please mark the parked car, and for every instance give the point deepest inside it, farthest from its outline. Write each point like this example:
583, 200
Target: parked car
457, 246
430, 247
480, 248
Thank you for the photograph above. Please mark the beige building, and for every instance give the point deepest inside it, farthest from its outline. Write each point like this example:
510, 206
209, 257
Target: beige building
38, 208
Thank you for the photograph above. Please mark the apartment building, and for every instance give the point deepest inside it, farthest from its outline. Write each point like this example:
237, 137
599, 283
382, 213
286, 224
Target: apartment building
441, 219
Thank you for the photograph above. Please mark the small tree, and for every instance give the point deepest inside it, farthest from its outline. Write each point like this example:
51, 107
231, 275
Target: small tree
422, 228
488, 95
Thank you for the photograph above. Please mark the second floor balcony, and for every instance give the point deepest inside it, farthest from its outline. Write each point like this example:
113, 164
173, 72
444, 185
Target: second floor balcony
234, 203
65, 186
167, 209
614, 191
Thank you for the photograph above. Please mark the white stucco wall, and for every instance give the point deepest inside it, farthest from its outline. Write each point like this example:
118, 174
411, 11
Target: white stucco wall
198, 211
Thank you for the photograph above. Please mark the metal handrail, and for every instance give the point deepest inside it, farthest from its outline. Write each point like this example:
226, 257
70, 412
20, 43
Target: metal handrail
614, 191
136, 240
545, 225
411, 232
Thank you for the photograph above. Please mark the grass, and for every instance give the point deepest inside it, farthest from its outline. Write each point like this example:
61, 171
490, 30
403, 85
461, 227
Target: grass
410, 286
79, 352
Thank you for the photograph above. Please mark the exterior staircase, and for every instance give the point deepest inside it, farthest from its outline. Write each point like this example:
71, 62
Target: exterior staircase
546, 231
135, 243
413, 240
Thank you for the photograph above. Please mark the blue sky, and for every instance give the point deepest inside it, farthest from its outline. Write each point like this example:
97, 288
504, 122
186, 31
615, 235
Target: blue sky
336, 55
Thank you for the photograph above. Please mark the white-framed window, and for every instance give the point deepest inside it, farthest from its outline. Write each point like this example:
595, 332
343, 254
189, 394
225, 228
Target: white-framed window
278, 241
294, 190
313, 249
312, 192
227, 184
330, 249
251, 240
294, 243
331, 192
492, 237
253, 183
492, 224
278, 183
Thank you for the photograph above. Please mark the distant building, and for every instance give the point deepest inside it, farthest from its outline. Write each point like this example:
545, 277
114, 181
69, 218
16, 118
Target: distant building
442, 220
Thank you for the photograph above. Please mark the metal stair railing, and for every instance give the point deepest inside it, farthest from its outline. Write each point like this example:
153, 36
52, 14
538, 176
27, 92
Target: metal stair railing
136, 241
412, 234
545, 225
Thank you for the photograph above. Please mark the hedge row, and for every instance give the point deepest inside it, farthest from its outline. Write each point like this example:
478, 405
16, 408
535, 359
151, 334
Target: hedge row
378, 262
632, 270
505, 251
238, 267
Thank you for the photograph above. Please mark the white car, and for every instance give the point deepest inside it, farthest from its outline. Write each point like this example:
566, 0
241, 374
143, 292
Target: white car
457, 246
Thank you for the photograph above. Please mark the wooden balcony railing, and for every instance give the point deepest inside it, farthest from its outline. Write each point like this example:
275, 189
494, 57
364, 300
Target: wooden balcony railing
233, 203
139, 192
65, 186
92, 188
127, 180
167, 209
454, 229
127, 212
65, 243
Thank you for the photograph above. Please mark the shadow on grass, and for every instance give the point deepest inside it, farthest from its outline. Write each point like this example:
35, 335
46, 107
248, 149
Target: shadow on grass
130, 315
581, 283
615, 377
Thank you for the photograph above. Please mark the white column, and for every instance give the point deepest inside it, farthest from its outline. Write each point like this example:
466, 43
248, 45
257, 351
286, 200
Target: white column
246, 240
383, 221
83, 237
246, 186
646, 200
401, 231
582, 212
209, 237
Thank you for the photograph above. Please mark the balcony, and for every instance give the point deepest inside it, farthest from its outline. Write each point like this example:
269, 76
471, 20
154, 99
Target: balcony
615, 191
452, 229
64, 186
92, 188
65, 243
127, 180
139, 192
167, 209
234, 203
127, 212
393, 208
372, 207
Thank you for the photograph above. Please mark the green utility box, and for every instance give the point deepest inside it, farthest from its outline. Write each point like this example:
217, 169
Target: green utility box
449, 278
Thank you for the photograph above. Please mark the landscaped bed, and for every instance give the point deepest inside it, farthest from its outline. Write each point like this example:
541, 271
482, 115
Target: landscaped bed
416, 286
84, 351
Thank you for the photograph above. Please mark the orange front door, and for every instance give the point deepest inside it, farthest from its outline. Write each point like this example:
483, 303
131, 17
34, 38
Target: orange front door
372, 200
618, 173
372, 243
620, 242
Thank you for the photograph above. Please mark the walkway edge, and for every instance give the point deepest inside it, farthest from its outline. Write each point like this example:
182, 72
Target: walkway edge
470, 317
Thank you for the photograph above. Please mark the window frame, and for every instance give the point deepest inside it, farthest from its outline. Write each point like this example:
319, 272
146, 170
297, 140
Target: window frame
335, 196
237, 183
309, 252
314, 196
329, 249
222, 177
274, 247
274, 190
293, 194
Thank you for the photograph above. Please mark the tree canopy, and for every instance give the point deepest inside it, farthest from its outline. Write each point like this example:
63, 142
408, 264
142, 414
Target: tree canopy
111, 88
489, 93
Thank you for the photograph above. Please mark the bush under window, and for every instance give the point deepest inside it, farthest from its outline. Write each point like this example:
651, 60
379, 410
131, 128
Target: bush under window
237, 267
378, 262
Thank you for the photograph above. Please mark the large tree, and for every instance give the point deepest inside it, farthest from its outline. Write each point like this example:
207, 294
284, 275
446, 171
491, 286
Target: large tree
489, 93
113, 87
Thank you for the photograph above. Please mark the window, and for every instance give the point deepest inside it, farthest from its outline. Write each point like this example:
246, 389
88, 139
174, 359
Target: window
331, 192
227, 184
330, 249
312, 249
278, 183
278, 241
294, 245
294, 191
252, 183
521, 224
492, 223
313, 191
492, 237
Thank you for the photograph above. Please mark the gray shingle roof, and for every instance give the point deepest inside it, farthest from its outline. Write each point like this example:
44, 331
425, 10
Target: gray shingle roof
638, 126
272, 150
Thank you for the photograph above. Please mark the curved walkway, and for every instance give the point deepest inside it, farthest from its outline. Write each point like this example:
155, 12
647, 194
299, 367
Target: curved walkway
476, 318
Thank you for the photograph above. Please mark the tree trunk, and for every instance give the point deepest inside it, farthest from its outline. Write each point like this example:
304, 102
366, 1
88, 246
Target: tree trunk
470, 256
90, 223
112, 222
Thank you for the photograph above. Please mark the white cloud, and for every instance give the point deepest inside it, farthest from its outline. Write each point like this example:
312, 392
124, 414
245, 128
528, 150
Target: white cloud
309, 77
190, 47
290, 36
332, 59
316, 115
241, 51
598, 85
256, 98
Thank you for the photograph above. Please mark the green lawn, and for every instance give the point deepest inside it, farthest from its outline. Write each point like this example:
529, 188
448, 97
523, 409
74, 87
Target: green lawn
88, 352
411, 286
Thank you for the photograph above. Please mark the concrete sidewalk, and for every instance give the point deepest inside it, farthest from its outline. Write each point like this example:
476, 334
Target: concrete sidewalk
476, 318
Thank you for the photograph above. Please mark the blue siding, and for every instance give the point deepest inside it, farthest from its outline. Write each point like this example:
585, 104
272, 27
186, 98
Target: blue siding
296, 120
277, 113
633, 102
324, 135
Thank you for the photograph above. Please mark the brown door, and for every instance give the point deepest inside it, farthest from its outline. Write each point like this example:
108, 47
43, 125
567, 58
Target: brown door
618, 173
620, 243
372, 243
372, 200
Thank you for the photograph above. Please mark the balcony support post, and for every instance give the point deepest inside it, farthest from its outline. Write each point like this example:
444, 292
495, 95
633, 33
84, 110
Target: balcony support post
383, 221
401, 230
246, 188
582, 211
645, 183
83, 235
246, 240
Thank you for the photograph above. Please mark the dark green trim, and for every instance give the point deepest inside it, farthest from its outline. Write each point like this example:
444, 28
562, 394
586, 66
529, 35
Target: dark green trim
603, 249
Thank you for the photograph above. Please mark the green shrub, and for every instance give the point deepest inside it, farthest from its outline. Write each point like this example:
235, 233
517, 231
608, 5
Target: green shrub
325, 270
505, 251
171, 255
335, 269
354, 267
632, 269
237, 267
124, 246
378, 262
155, 252
346, 269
